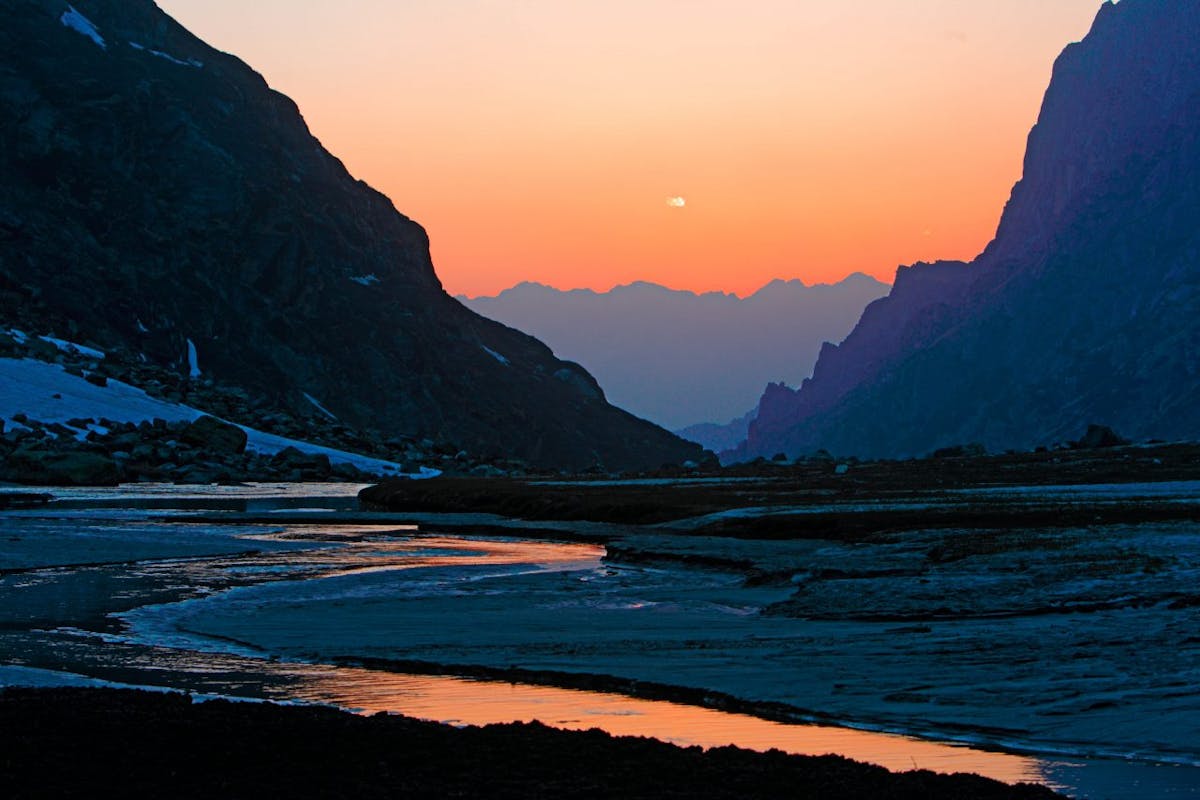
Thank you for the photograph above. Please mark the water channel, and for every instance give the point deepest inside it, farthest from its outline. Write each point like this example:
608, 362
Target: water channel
108, 586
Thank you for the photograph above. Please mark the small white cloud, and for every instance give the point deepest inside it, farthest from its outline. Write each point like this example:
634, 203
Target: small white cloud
676, 202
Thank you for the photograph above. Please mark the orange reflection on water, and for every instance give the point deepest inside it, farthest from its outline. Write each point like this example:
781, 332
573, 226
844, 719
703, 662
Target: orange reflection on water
463, 701
374, 548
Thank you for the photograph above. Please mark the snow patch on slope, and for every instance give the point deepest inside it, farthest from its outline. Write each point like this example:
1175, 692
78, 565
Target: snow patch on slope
191, 62
30, 387
318, 406
45, 392
494, 354
82, 25
71, 347
193, 360
21, 337
365, 280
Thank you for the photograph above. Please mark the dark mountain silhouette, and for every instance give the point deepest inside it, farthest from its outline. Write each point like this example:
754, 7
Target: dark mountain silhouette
1086, 305
679, 358
159, 196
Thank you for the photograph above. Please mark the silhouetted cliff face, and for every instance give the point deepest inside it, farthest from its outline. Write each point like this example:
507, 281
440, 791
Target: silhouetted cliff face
914, 312
155, 191
1085, 305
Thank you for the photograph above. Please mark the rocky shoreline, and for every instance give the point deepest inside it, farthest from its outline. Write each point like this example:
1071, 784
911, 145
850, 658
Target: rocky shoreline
146, 744
204, 451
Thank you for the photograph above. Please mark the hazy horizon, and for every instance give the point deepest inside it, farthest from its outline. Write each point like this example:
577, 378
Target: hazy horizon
655, 284
678, 358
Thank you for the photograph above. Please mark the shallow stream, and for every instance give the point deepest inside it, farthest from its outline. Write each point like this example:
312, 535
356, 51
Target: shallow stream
118, 586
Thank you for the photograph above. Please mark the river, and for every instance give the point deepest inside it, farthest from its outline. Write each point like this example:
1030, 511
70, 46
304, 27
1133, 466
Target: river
124, 586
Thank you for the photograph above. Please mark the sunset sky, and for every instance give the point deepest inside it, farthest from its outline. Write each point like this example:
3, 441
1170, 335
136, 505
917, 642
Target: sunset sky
701, 144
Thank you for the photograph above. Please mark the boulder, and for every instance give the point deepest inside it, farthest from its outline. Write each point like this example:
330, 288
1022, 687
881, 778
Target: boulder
54, 468
1100, 436
972, 450
300, 466
214, 435
206, 473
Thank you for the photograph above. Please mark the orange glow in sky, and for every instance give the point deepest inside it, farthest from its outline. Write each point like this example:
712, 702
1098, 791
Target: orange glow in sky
701, 144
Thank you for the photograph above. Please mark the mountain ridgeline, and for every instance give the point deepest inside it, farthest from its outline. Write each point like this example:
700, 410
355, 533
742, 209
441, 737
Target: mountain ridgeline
1084, 308
157, 197
680, 358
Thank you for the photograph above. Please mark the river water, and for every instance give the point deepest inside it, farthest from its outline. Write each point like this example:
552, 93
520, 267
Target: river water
123, 587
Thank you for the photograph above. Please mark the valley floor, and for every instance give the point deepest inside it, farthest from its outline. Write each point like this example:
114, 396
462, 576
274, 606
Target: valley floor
1070, 639
1078, 641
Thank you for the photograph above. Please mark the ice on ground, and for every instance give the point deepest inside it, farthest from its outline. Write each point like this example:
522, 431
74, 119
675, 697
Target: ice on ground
29, 541
253, 494
20, 336
81, 24
494, 354
318, 406
365, 280
193, 360
1090, 493
269, 444
47, 393
191, 62
72, 347
91, 427
34, 678
752, 512
11, 675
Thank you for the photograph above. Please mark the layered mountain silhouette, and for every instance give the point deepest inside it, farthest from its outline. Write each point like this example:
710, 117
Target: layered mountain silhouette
159, 197
680, 358
719, 437
1084, 308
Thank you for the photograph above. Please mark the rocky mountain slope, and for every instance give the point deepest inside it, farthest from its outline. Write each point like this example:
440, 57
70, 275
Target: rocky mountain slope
159, 200
680, 358
1084, 308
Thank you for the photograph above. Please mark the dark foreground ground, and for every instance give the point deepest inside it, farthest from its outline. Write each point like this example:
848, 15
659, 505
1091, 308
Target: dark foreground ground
100, 742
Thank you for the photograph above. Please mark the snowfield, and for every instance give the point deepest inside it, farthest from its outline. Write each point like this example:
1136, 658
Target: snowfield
47, 393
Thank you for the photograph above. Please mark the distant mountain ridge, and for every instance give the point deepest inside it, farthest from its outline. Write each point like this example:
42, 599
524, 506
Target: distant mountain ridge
720, 437
677, 357
1084, 308
159, 199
